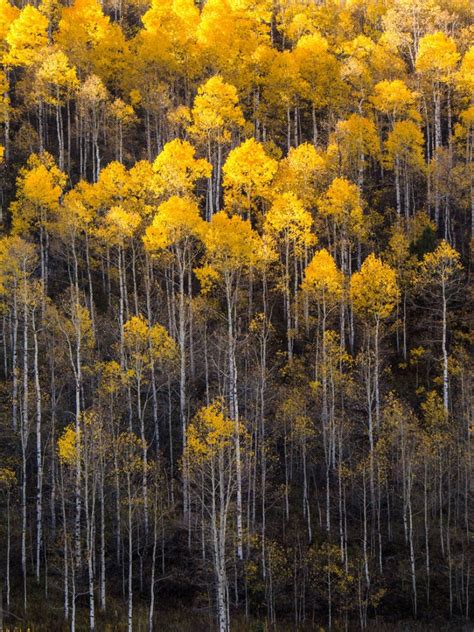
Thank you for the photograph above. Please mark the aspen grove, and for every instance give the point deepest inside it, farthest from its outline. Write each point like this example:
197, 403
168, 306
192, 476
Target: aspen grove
235, 315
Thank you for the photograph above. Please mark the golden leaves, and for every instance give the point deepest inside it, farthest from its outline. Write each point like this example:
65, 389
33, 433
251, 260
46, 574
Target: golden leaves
248, 174
374, 290
322, 279
216, 111
287, 218
176, 169
176, 220
210, 432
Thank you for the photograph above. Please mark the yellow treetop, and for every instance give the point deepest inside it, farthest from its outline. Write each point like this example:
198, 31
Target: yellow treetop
68, 445
230, 32
231, 246
111, 187
168, 38
8, 13
288, 219
27, 35
91, 42
176, 170
216, 111
138, 183
394, 99
322, 278
74, 215
42, 182
437, 56
441, 264
176, 220
91, 96
405, 142
342, 202
374, 290
248, 174
300, 172
120, 225
465, 76
146, 343
39, 188
56, 78
122, 112
210, 432
17, 258
319, 71
357, 137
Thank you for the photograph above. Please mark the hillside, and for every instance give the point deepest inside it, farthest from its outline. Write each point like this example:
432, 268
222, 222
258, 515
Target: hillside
235, 315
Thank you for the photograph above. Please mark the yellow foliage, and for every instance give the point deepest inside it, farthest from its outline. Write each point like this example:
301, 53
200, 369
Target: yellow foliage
437, 55
288, 219
91, 42
39, 187
300, 172
357, 137
176, 220
120, 225
230, 32
7, 478
146, 343
8, 13
342, 202
319, 71
465, 76
56, 78
216, 111
442, 264
27, 35
231, 244
394, 99
68, 446
122, 112
17, 258
374, 290
176, 170
210, 432
406, 143
248, 174
168, 39
322, 279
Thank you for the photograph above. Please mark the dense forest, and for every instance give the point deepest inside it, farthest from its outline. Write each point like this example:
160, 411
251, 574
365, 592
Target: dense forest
235, 370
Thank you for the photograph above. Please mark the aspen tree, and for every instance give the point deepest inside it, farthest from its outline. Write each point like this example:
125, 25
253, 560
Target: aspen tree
359, 143
323, 283
248, 174
289, 224
176, 170
145, 344
177, 227
374, 293
436, 61
232, 249
56, 83
320, 74
40, 186
440, 271
404, 155
19, 260
216, 116
213, 455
